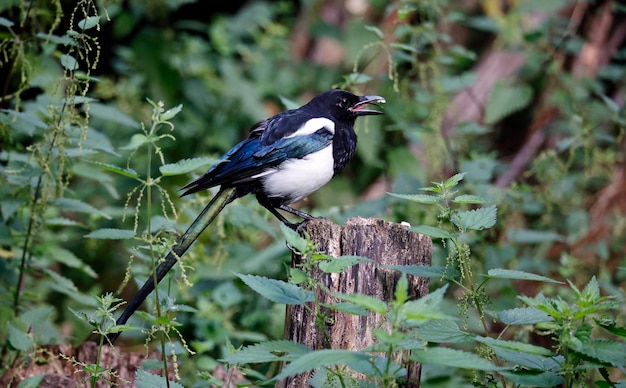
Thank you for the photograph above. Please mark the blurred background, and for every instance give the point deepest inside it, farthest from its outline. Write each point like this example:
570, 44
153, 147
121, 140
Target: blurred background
526, 97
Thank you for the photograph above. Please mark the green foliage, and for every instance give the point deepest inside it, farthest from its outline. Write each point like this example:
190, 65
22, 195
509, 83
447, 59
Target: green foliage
527, 274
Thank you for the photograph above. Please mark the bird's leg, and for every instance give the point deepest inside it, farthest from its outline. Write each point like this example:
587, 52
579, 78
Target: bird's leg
296, 212
273, 208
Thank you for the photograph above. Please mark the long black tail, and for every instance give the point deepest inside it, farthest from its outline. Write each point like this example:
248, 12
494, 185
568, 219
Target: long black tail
211, 210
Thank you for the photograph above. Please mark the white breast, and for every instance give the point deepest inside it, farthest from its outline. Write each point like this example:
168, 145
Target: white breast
297, 178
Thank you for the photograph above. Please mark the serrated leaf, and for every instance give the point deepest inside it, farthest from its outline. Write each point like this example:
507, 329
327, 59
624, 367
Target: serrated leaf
506, 98
515, 346
502, 273
443, 331
321, 358
293, 239
68, 258
454, 180
425, 271
171, 113
368, 302
419, 198
79, 206
127, 172
349, 308
612, 327
529, 379
428, 307
111, 234
186, 165
452, 358
477, 219
144, 379
18, 339
432, 231
523, 316
611, 352
470, 199
29, 118
276, 290
281, 350
337, 265
69, 62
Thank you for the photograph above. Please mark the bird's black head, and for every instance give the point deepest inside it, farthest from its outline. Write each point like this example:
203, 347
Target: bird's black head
344, 105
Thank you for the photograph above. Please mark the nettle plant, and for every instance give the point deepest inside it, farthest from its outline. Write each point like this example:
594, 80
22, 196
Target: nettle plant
585, 345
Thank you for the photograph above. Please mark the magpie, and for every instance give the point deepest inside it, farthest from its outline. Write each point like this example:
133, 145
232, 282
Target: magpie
284, 159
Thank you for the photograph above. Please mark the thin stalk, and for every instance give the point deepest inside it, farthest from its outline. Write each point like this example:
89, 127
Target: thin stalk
152, 253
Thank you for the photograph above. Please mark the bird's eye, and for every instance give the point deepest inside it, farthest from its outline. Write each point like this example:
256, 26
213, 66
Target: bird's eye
343, 103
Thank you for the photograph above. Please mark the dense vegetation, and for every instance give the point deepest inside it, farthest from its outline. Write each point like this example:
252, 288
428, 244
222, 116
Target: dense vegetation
502, 139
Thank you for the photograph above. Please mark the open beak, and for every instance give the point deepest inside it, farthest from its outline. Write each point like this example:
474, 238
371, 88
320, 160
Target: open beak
360, 108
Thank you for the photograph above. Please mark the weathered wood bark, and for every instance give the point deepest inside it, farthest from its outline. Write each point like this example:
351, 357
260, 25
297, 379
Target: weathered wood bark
384, 242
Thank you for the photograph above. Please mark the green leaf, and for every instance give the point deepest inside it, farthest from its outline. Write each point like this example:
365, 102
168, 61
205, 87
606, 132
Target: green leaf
428, 307
319, 359
339, 264
79, 206
452, 358
293, 239
127, 172
368, 302
68, 258
523, 316
611, 327
111, 234
477, 219
357, 78
425, 271
454, 180
144, 379
432, 231
470, 199
89, 22
32, 381
515, 346
506, 98
276, 290
419, 198
187, 165
348, 308
18, 339
501, 273
136, 141
529, 379
375, 30
443, 331
526, 236
288, 103
69, 62
281, 350
611, 352
171, 113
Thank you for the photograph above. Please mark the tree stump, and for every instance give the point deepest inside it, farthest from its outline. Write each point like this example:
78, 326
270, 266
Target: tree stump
384, 242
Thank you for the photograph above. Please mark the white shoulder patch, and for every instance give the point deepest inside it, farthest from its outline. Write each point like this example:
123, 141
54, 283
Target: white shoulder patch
314, 125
